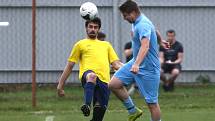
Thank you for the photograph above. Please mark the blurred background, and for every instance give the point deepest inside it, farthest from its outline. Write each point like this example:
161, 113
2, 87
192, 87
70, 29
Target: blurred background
59, 26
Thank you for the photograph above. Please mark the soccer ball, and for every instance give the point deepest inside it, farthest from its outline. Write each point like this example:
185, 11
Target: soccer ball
88, 10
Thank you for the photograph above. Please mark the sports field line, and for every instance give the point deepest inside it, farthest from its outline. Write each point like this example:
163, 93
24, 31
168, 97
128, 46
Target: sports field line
50, 118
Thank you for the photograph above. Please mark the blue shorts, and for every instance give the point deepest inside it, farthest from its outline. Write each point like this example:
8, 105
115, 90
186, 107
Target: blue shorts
101, 92
147, 81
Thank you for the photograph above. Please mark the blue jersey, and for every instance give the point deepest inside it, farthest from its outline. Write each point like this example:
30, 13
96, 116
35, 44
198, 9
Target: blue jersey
143, 28
148, 77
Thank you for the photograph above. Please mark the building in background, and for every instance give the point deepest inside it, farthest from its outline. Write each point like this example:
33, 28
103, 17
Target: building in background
59, 25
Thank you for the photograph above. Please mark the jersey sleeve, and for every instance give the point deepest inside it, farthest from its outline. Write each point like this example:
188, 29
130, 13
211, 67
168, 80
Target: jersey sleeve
144, 31
112, 54
181, 49
75, 54
161, 49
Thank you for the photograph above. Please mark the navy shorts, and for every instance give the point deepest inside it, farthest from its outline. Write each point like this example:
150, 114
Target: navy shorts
101, 92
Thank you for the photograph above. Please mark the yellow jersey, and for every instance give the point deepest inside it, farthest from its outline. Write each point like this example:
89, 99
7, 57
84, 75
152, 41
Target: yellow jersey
94, 55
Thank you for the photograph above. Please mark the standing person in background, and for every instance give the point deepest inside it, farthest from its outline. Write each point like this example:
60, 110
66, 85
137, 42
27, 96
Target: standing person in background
171, 60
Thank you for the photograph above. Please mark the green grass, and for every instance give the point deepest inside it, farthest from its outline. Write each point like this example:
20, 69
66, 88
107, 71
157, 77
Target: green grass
188, 103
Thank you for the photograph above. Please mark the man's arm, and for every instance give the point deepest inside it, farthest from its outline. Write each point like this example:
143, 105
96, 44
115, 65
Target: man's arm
162, 42
61, 81
179, 59
159, 38
116, 64
141, 54
161, 57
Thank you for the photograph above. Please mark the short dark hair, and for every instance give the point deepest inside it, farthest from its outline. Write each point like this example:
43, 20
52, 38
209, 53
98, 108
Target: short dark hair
129, 6
170, 31
101, 35
96, 20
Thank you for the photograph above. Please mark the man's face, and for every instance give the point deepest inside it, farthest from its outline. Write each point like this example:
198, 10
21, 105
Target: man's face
92, 30
170, 37
130, 17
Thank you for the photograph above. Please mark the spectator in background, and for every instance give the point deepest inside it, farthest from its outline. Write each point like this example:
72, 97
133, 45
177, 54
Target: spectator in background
171, 61
128, 51
101, 36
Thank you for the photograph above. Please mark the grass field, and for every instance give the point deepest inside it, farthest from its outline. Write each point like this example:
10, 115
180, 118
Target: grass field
186, 103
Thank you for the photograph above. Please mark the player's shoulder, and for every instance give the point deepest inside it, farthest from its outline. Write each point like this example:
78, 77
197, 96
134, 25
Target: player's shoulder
179, 43
105, 43
144, 25
81, 41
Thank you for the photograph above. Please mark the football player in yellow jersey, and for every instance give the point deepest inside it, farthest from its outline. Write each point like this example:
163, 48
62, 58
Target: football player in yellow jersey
94, 57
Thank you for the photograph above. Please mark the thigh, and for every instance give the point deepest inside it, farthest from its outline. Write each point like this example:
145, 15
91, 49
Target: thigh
124, 75
84, 77
101, 93
148, 85
166, 68
177, 66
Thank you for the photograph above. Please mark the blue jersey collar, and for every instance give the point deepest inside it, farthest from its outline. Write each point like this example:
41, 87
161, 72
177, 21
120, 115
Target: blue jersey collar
138, 19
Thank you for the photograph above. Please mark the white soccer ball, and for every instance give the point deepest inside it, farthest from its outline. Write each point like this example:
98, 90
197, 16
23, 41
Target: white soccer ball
88, 10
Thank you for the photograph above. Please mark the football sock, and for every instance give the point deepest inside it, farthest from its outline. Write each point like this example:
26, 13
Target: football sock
88, 92
98, 113
128, 103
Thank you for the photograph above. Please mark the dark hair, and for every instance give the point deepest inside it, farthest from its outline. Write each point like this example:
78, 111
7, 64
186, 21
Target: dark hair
101, 35
129, 6
96, 20
170, 31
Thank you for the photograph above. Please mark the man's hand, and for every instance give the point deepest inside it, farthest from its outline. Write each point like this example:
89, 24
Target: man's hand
169, 62
116, 64
60, 92
165, 44
134, 69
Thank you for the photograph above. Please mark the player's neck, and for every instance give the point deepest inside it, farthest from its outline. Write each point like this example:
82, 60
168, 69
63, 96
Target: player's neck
92, 38
137, 15
173, 42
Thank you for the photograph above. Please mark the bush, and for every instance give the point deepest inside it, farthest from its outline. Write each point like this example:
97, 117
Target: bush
203, 79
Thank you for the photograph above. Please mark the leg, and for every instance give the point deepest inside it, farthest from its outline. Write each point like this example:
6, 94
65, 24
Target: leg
88, 82
120, 78
164, 79
100, 101
155, 111
89, 87
98, 112
131, 89
149, 85
165, 69
163, 76
174, 74
118, 89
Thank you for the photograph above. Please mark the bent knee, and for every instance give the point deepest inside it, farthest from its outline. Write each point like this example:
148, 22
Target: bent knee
115, 83
110, 85
175, 72
91, 77
153, 106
